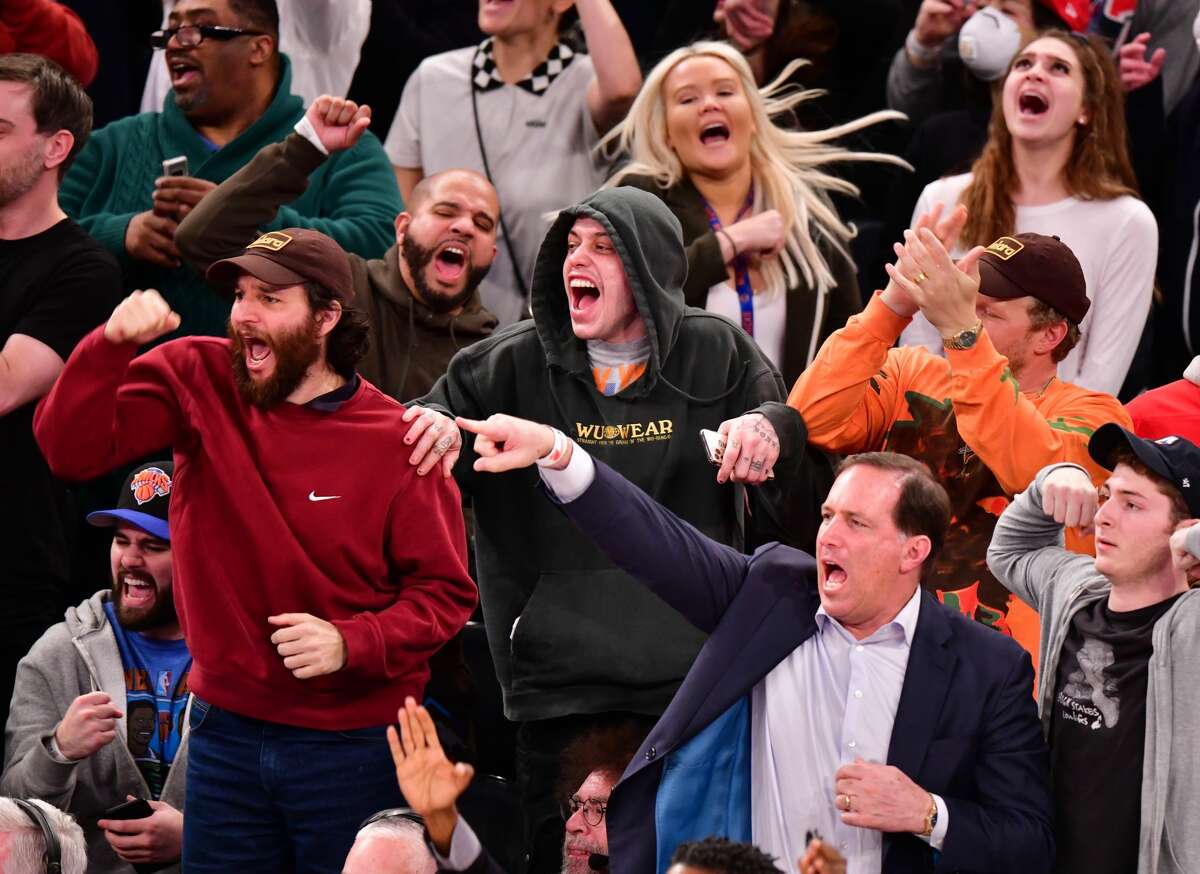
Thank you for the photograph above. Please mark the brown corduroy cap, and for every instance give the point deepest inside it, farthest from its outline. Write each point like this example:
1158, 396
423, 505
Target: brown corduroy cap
1038, 266
289, 257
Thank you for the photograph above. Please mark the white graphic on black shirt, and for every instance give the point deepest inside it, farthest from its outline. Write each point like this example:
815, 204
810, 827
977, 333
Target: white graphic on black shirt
1089, 697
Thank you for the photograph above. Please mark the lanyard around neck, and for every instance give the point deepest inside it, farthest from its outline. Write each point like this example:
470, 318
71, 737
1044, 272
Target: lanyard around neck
741, 264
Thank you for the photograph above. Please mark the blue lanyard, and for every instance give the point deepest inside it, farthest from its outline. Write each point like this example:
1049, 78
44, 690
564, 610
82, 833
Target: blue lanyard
741, 267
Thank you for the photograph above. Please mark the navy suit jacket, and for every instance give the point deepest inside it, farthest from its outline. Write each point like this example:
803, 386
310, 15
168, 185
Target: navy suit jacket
966, 725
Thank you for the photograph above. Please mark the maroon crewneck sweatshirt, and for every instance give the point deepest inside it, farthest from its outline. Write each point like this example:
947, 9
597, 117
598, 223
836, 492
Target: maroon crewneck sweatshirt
292, 510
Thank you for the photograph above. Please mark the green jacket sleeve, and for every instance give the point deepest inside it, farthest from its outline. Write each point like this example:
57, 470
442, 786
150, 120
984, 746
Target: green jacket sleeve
86, 188
230, 216
358, 201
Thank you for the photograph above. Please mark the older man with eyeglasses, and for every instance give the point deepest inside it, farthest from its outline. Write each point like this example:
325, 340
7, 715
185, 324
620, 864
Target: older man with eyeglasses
231, 95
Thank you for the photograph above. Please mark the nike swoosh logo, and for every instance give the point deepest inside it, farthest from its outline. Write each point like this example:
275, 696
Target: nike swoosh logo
313, 496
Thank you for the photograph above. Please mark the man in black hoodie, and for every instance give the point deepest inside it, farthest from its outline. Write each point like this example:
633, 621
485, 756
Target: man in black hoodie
615, 360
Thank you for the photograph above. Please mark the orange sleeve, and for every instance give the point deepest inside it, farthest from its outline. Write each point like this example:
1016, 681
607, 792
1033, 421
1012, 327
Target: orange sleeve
851, 393
1014, 437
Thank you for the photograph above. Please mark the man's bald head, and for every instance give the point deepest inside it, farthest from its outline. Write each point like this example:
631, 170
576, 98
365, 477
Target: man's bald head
429, 187
390, 846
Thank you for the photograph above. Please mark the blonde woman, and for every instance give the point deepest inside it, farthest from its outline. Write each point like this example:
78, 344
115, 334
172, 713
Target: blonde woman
766, 248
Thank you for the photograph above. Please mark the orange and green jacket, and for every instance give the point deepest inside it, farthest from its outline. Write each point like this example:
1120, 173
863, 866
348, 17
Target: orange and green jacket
964, 416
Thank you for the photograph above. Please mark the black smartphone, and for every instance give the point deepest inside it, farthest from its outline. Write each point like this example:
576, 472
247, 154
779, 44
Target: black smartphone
135, 809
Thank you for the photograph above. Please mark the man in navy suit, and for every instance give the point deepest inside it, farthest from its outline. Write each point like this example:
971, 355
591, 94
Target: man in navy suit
832, 694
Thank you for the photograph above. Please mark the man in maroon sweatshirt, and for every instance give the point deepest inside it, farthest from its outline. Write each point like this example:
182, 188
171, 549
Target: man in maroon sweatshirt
315, 571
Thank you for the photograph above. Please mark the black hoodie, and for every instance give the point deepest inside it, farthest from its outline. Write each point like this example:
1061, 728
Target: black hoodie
569, 632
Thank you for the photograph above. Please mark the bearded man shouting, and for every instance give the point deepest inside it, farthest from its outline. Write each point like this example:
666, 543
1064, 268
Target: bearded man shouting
314, 574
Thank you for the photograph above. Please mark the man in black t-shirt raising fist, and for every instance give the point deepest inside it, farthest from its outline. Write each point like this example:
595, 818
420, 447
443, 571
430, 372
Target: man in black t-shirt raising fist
1120, 638
56, 284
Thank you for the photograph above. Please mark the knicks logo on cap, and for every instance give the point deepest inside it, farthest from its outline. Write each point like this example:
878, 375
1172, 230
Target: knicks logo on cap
151, 483
272, 240
1005, 247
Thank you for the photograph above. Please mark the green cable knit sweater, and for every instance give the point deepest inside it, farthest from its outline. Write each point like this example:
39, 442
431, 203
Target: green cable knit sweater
352, 197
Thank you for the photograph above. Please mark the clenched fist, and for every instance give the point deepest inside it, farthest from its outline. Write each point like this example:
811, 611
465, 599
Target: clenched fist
339, 123
90, 724
140, 318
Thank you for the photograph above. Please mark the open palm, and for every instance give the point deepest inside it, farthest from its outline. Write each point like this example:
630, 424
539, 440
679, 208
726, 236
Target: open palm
429, 781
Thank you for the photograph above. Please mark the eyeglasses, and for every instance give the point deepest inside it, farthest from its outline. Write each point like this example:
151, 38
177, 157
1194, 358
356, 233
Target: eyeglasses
593, 809
188, 36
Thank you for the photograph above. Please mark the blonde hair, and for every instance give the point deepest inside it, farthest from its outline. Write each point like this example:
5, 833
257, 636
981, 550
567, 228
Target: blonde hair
787, 167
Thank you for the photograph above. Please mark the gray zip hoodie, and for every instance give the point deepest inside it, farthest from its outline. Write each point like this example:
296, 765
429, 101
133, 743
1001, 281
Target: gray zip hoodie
74, 657
1028, 557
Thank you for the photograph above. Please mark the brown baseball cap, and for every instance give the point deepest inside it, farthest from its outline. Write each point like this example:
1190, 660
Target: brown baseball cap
1038, 266
289, 257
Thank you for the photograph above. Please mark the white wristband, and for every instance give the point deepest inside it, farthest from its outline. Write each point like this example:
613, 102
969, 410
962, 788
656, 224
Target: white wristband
556, 453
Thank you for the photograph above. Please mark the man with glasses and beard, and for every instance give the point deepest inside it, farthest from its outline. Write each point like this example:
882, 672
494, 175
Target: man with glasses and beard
421, 298
315, 574
119, 653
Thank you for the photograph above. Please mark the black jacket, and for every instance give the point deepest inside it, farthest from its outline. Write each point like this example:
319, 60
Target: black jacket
569, 632
706, 267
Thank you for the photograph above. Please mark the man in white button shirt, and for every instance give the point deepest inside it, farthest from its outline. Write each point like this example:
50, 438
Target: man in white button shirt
831, 694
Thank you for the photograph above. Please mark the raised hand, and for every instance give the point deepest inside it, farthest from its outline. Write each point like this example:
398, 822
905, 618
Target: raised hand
338, 122
1136, 70
1070, 499
140, 318
946, 227
938, 20
429, 781
944, 291
1185, 561
508, 443
90, 724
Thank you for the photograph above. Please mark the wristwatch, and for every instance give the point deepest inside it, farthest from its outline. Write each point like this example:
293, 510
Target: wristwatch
964, 339
931, 819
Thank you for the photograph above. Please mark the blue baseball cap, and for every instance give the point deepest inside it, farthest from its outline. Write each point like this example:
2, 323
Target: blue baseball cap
144, 500
1175, 459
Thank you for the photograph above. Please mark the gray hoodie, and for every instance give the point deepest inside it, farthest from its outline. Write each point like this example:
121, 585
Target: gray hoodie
74, 657
1028, 557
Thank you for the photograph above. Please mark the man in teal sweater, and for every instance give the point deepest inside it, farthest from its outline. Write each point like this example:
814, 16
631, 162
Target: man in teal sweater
231, 95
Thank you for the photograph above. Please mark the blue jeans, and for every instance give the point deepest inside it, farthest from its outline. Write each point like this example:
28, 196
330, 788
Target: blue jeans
269, 798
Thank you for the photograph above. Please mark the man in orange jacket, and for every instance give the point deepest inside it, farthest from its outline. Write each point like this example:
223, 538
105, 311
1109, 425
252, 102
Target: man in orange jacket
988, 416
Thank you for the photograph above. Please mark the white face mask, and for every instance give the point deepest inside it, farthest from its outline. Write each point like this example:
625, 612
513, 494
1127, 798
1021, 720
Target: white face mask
988, 42
1196, 30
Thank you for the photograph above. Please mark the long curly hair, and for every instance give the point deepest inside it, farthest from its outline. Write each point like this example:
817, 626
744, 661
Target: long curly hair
789, 167
1097, 169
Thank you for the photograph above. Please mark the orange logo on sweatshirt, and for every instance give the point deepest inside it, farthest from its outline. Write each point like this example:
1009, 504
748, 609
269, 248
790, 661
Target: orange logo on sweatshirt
151, 483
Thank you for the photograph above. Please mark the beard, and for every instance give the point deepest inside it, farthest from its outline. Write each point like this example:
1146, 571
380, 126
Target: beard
294, 352
575, 864
161, 612
418, 258
18, 178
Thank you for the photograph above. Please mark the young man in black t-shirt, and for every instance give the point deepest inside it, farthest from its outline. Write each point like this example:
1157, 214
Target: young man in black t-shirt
56, 284
1120, 672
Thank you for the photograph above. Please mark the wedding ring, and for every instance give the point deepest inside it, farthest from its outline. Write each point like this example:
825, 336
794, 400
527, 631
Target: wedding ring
919, 278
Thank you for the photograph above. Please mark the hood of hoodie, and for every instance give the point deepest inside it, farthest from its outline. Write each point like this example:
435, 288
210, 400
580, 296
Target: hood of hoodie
88, 616
649, 240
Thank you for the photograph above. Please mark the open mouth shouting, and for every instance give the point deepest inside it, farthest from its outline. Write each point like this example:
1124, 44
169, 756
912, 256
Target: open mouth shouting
137, 590
714, 133
583, 293
1031, 104
833, 576
450, 261
256, 353
185, 73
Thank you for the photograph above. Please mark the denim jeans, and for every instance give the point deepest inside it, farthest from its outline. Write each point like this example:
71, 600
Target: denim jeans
269, 798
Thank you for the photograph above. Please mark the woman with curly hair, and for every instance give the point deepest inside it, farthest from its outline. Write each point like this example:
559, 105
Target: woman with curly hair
1056, 162
766, 248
